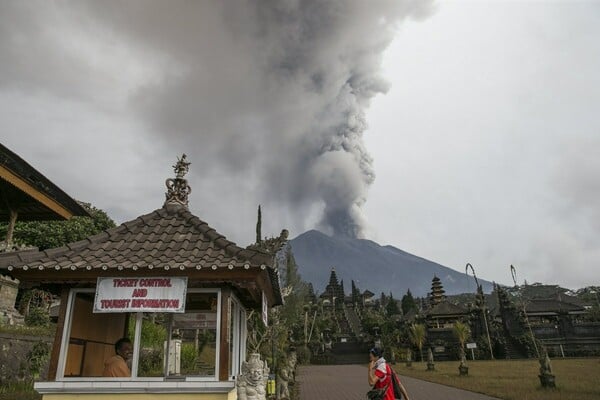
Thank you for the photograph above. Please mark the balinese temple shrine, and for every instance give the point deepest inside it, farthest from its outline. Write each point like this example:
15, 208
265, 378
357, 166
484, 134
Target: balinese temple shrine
170, 283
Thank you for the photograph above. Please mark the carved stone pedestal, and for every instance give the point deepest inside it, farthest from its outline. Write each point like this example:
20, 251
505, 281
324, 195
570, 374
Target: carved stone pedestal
430, 364
547, 380
546, 376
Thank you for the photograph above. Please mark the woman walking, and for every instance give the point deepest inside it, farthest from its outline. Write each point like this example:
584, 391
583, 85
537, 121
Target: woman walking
380, 375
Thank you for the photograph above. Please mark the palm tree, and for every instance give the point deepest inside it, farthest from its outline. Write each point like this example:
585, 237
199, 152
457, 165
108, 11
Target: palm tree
462, 333
417, 336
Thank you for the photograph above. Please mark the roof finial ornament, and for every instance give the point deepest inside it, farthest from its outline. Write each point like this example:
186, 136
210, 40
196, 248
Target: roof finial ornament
178, 189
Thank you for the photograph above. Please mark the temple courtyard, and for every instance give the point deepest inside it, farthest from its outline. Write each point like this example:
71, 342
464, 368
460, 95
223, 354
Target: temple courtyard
576, 379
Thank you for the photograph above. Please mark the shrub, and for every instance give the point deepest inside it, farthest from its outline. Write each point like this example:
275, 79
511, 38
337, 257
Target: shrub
37, 316
189, 357
151, 362
37, 358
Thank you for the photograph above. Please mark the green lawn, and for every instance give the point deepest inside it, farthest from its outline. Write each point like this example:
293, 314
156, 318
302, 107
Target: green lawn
576, 379
18, 391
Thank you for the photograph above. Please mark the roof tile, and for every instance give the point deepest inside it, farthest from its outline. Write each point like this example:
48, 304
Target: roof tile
170, 236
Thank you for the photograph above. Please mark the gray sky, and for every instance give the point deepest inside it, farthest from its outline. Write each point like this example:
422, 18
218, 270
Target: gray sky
482, 120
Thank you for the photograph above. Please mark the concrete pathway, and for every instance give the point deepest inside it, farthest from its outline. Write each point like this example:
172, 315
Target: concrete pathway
349, 382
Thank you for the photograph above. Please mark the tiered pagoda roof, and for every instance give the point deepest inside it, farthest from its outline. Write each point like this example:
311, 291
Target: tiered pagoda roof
437, 294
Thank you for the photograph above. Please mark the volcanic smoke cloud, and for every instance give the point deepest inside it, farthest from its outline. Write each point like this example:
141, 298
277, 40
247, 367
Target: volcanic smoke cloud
268, 97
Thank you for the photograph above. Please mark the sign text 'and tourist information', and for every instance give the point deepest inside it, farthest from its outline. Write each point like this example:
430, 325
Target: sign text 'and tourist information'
160, 294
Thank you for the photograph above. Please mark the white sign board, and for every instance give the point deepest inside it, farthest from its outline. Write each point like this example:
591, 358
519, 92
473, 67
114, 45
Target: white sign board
157, 294
471, 345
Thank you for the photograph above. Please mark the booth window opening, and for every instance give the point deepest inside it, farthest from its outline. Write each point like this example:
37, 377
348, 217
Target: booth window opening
163, 345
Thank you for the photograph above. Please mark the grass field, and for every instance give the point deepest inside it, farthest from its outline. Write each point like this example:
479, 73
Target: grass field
576, 379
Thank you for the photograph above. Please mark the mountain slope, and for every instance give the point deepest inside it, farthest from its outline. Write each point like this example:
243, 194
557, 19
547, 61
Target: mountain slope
374, 267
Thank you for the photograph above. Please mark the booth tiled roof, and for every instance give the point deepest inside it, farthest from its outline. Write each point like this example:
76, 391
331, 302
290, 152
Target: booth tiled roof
168, 238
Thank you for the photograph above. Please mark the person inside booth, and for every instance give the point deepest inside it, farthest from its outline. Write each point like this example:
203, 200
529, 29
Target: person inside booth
116, 366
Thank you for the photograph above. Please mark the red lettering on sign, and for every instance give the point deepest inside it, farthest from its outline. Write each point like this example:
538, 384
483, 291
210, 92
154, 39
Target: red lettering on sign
115, 303
155, 282
139, 293
125, 282
155, 303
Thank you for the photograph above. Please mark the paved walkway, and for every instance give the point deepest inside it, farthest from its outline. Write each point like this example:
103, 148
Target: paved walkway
349, 382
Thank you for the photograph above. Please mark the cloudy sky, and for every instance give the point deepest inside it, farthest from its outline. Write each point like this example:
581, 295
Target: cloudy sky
457, 131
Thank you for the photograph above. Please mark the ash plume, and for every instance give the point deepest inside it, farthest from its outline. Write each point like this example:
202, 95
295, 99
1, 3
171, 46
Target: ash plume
267, 97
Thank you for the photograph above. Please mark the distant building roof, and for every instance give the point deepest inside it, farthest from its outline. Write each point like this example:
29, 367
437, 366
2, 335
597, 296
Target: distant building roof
30, 193
543, 306
445, 308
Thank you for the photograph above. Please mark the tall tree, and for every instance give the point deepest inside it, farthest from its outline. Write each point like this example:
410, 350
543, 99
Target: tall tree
291, 314
417, 337
392, 306
355, 294
258, 226
408, 303
462, 333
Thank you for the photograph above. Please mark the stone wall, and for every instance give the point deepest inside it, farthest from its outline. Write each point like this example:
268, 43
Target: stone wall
8, 292
15, 357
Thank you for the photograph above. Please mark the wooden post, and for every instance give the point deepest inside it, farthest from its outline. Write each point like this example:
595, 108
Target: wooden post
225, 334
12, 220
60, 326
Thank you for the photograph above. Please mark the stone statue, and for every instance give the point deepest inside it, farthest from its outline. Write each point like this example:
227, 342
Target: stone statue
178, 189
271, 245
430, 364
545, 366
408, 358
463, 369
283, 377
252, 382
291, 363
181, 167
547, 379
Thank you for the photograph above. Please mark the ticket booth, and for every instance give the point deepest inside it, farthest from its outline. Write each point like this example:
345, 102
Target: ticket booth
167, 281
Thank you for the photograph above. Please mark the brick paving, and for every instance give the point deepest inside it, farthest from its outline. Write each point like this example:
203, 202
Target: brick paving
349, 382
